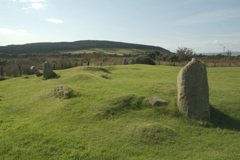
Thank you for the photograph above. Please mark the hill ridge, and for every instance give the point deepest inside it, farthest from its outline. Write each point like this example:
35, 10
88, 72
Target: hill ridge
46, 47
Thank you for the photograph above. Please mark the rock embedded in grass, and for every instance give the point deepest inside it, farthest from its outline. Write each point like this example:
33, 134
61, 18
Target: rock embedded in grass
193, 91
156, 101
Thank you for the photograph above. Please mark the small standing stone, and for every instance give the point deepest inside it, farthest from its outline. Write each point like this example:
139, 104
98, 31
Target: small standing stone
35, 71
133, 61
47, 70
125, 62
193, 91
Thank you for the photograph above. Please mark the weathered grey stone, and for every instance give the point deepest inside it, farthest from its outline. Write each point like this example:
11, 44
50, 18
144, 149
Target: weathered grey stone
193, 91
35, 71
47, 70
125, 62
156, 101
133, 61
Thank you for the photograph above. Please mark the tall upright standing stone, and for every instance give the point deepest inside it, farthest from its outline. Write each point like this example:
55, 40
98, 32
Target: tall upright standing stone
193, 91
47, 70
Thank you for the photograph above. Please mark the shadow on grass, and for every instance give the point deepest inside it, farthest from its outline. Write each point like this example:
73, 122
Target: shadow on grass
222, 120
2, 78
54, 76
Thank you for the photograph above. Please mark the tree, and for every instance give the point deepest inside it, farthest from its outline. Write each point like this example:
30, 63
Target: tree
228, 53
153, 54
184, 54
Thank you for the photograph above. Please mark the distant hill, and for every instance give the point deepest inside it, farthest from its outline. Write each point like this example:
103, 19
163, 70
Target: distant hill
46, 48
215, 53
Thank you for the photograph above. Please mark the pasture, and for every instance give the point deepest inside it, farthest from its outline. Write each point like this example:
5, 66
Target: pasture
108, 117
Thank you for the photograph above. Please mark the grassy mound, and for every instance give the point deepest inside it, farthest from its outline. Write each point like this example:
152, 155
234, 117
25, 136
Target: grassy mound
122, 105
152, 133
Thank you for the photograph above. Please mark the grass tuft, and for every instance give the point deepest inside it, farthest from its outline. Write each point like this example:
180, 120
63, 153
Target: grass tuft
63, 92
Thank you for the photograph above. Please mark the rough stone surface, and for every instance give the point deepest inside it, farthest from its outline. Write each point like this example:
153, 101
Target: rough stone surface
47, 70
156, 101
193, 91
125, 62
36, 71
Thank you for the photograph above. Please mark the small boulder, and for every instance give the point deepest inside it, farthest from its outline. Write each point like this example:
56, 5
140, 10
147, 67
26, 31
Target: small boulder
156, 101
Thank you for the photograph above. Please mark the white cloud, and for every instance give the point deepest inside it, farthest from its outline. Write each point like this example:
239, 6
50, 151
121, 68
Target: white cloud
11, 32
34, 6
54, 20
216, 16
217, 42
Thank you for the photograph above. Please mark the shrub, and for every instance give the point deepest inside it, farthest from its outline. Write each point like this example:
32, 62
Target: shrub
145, 60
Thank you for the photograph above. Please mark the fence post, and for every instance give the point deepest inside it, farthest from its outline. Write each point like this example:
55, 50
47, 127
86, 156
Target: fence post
20, 70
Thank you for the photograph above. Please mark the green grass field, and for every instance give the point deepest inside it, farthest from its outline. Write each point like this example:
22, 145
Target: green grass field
107, 116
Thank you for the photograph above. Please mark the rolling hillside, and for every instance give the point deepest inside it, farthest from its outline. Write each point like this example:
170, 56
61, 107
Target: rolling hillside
44, 48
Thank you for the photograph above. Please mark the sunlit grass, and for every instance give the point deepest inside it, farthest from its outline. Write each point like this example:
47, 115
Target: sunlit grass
109, 118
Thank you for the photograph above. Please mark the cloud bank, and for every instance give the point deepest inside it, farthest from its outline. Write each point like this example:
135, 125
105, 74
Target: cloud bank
11, 32
215, 16
34, 6
24, 1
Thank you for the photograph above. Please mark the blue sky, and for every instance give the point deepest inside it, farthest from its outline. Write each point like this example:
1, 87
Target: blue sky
202, 25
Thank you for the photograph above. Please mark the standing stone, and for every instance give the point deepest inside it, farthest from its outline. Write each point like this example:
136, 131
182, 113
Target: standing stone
35, 71
193, 91
133, 61
125, 62
47, 70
